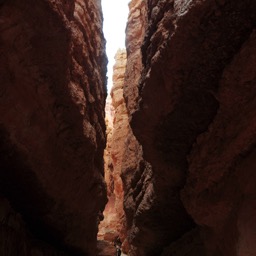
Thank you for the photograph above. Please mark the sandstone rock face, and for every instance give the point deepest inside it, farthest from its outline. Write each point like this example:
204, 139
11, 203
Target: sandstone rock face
108, 167
135, 32
190, 94
113, 224
15, 240
120, 128
148, 200
220, 191
52, 129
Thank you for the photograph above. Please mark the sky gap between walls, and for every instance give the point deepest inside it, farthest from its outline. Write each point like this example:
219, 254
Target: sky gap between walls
115, 13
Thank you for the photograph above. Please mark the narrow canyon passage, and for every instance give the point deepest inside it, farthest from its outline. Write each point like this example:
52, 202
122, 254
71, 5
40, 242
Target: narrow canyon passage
169, 169
113, 225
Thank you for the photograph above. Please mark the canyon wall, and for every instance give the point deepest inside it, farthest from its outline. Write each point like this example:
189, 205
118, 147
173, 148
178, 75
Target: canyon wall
52, 129
113, 225
120, 130
155, 214
190, 95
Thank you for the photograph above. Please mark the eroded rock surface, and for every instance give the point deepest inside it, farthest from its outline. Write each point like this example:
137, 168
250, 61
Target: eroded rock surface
155, 214
113, 225
189, 89
52, 130
220, 191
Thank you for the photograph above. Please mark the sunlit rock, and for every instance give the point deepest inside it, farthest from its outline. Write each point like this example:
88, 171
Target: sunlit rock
113, 225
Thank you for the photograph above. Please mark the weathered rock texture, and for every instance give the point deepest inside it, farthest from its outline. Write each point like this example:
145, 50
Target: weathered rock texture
52, 130
190, 91
149, 197
120, 128
113, 224
220, 192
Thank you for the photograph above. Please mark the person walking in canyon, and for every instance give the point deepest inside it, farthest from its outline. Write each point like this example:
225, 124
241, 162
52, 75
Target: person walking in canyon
118, 244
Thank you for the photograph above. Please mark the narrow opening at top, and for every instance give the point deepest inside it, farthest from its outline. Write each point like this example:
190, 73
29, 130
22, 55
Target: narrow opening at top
115, 13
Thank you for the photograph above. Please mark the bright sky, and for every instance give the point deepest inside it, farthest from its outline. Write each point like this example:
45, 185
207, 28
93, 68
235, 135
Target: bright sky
115, 13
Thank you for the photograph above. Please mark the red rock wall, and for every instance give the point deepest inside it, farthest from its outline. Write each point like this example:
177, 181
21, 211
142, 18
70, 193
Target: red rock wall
220, 190
145, 192
120, 127
113, 224
52, 129
190, 95
135, 32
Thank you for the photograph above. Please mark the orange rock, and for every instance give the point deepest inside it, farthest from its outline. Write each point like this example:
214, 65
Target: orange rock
117, 121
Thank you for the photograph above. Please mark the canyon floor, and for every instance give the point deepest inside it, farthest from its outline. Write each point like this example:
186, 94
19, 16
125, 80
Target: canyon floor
105, 248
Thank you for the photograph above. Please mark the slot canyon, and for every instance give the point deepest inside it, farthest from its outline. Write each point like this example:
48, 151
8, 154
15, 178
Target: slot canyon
166, 162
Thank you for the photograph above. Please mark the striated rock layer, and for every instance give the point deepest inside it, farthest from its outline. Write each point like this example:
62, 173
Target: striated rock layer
154, 210
120, 129
220, 192
113, 225
190, 94
52, 129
